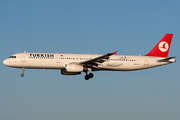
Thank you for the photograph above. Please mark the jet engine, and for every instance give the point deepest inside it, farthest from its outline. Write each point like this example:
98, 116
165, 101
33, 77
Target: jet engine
72, 69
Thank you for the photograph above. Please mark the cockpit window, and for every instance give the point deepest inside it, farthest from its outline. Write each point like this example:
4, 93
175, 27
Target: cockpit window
12, 57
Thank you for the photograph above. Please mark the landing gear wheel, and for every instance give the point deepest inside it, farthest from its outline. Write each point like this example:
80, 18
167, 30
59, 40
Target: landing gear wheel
91, 75
23, 69
86, 77
22, 75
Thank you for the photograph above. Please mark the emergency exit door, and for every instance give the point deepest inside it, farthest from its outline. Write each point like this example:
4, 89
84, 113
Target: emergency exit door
57, 58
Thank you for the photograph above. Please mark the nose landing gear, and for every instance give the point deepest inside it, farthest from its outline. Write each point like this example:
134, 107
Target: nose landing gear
22, 75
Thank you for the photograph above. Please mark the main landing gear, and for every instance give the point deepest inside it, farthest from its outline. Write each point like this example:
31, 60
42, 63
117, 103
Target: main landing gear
22, 75
87, 76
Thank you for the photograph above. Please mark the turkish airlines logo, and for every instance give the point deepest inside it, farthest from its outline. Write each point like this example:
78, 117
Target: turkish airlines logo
163, 46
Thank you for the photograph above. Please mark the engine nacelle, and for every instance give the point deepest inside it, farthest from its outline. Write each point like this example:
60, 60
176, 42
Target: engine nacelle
64, 72
73, 68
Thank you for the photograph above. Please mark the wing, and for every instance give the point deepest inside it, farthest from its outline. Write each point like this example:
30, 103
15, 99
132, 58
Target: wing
98, 60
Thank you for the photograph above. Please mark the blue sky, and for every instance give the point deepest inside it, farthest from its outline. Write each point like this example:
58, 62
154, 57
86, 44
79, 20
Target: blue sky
96, 27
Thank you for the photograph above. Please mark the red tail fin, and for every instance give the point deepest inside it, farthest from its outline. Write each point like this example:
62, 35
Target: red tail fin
162, 48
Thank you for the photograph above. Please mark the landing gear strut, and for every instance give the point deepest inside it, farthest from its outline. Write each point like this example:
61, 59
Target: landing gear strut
87, 76
22, 75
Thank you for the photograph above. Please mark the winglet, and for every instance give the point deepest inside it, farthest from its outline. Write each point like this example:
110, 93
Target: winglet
115, 52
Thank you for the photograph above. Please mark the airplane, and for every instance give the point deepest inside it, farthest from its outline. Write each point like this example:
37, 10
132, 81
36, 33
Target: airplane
74, 64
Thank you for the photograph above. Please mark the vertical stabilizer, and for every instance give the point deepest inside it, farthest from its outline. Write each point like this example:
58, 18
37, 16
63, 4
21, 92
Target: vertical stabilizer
162, 48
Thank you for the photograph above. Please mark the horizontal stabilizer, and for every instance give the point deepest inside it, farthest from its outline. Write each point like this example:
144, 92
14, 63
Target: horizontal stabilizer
167, 60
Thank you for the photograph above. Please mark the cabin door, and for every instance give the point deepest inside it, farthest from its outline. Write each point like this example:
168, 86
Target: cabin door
146, 61
23, 57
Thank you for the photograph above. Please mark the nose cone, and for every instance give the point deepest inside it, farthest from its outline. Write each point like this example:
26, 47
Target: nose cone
5, 62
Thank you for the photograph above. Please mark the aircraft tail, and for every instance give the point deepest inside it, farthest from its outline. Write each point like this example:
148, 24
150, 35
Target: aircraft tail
162, 48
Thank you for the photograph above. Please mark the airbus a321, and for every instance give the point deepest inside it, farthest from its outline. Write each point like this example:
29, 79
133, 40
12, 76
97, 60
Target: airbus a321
74, 64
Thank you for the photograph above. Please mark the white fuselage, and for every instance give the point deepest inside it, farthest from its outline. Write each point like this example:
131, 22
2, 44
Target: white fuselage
59, 61
74, 64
